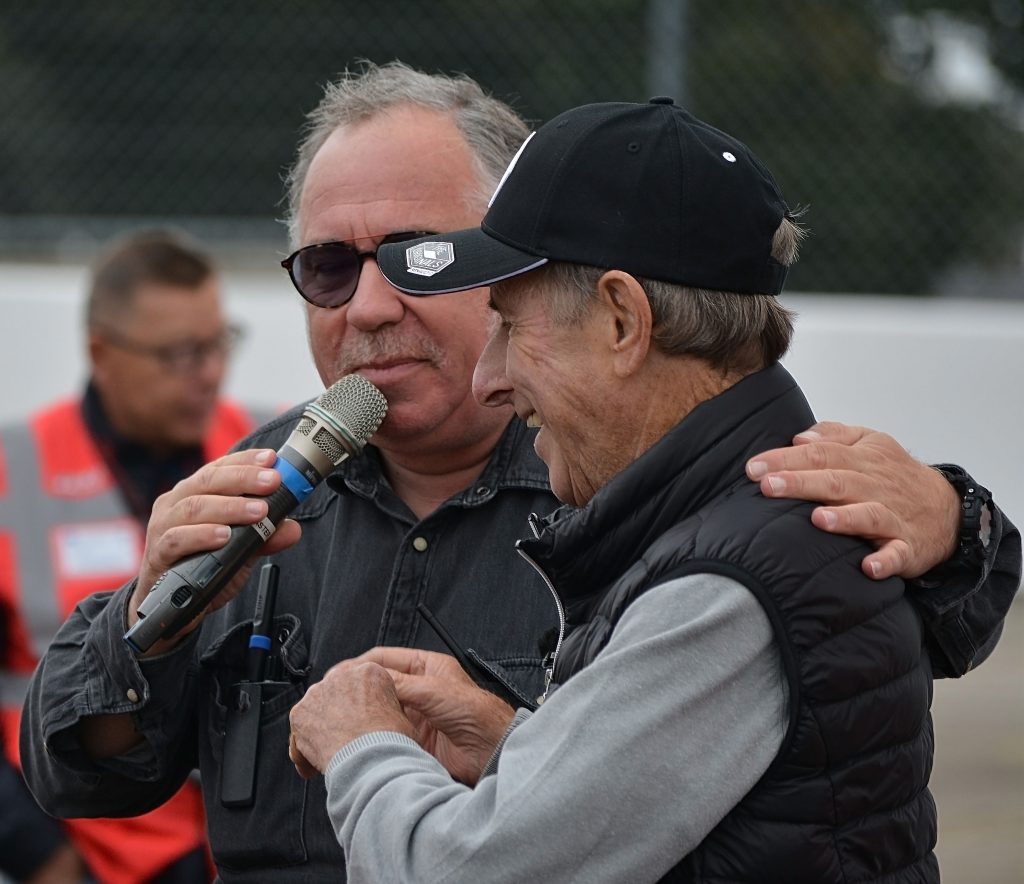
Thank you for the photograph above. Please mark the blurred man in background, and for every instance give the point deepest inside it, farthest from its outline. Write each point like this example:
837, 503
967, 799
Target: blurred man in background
416, 531
78, 481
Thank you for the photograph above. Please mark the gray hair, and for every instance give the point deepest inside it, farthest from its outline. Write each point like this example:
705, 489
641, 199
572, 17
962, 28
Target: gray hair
492, 130
734, 333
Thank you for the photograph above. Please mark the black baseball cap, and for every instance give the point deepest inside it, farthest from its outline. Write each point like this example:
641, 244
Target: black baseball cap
644, 188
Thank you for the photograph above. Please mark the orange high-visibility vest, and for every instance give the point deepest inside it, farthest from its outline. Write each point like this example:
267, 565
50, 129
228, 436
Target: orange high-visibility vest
65, 532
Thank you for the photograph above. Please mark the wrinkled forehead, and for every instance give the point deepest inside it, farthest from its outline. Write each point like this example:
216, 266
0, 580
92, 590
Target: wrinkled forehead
516, 292
406, 166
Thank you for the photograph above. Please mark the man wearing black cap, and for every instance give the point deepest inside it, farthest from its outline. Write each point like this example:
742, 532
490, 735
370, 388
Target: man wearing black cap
735, 699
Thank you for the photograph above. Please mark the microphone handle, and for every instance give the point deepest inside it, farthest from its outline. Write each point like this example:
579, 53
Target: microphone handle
184, 590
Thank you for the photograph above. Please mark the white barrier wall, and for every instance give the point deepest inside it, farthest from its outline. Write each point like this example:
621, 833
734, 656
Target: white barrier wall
943, 376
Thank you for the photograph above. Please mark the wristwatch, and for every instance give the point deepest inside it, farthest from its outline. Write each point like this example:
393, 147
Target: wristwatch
975, 516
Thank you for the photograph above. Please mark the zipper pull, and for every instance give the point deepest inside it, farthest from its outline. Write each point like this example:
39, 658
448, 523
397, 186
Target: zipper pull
549, 672
533, 520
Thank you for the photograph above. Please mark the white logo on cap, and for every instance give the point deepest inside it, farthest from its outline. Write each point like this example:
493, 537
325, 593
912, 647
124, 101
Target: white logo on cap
428, 258
511, 166
729, 156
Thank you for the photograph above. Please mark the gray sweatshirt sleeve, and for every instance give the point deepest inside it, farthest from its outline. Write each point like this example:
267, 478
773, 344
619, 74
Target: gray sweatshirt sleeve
616, 777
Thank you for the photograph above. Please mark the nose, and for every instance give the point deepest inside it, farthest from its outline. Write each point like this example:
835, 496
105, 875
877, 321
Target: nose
375, 302
212, 367
491, 386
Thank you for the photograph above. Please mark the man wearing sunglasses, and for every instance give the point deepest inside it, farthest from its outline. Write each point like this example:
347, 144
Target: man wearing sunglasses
410, 544
79, 482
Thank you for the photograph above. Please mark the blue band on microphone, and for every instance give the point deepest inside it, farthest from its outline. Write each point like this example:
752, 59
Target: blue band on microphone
259, 641
293, 480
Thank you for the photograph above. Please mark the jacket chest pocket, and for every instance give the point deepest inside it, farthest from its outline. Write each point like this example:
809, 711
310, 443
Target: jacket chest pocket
270, 830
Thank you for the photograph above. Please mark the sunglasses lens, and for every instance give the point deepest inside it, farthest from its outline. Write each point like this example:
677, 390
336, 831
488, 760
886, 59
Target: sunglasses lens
326, 275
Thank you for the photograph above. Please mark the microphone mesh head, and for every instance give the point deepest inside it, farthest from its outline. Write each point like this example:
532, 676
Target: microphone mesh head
356, 404
329, 444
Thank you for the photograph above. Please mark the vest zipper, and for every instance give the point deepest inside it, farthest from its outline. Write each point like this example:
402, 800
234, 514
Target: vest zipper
549, 669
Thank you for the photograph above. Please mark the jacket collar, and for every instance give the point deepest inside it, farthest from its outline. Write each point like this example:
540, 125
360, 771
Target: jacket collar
141, 476
697, 460
513, 465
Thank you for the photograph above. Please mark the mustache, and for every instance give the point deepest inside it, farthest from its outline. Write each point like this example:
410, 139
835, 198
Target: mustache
388, 345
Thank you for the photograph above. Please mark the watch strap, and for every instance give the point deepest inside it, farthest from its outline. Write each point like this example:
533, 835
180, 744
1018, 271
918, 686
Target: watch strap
975, 514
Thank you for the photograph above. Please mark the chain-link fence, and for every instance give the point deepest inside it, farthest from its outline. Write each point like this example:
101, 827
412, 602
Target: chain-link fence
900, 124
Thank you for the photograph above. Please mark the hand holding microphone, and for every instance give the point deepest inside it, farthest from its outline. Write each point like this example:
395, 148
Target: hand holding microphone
188, 568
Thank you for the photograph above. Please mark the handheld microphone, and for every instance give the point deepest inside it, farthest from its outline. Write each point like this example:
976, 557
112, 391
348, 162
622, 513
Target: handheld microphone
331, 429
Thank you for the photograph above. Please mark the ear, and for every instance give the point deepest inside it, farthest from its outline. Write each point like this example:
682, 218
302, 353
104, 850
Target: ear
98, 356
628, 322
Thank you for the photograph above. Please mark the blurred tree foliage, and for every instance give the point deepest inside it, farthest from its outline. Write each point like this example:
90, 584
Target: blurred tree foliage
898, 187
1001, 22
192, 110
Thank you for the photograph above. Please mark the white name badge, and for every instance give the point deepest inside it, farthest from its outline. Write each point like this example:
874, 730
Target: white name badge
98, 549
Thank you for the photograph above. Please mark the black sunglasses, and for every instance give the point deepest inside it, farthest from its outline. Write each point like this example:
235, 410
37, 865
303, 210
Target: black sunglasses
327, 274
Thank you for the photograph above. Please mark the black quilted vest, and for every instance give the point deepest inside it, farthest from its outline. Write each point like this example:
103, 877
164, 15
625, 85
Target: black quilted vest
846, 799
